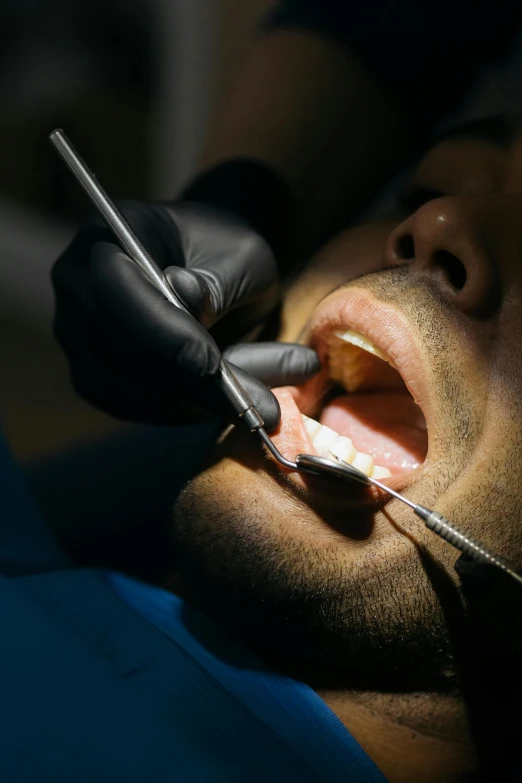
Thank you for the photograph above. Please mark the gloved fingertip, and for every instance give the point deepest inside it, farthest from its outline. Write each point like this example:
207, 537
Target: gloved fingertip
264, 401
271, 413
111, 269
199, 358
310, 360
191, 288
106, 252
276, 364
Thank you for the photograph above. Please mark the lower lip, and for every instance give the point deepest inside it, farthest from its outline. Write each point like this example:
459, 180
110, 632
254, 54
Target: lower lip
292, 439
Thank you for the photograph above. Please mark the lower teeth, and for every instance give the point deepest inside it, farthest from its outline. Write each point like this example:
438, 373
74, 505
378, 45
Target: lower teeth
328, 443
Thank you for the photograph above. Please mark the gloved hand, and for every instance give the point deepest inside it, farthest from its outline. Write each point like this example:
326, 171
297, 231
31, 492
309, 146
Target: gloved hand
136, 356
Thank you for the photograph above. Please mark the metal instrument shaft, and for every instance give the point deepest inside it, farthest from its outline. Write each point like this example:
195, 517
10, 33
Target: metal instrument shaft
135, 249
444, 528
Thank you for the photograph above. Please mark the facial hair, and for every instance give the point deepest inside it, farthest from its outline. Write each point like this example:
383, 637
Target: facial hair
386, 613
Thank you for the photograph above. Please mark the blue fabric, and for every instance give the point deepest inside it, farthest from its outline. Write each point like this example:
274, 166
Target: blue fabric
290, 710
26, 545
425, 53
110, 501
94, 690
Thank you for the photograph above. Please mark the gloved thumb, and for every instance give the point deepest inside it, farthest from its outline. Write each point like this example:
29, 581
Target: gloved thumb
259, 365
276, 364
193, 290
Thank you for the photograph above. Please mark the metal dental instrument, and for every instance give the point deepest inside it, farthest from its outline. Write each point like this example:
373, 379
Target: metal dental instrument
237, 396
438, 524
128, 240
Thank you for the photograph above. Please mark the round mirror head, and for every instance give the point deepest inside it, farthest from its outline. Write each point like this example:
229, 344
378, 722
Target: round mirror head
320, 466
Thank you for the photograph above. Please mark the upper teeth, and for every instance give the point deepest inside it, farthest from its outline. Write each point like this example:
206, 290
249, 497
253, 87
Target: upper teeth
361, 342
348, 358
328, 443
345, 366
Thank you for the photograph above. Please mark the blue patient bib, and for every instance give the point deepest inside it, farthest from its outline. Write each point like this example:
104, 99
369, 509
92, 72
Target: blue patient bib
263, 714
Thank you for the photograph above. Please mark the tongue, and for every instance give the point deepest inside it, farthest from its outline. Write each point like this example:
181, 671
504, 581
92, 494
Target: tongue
387, 425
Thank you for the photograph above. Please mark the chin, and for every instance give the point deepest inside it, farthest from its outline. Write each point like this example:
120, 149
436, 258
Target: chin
291, 581
321, 572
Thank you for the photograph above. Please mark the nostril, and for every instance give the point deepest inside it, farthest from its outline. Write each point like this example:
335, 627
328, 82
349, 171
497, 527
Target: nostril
405, 248
453, 268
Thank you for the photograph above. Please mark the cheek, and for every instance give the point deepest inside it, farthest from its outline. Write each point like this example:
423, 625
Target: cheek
352, 254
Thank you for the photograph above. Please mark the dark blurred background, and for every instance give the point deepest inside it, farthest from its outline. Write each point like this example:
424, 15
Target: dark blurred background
134, 84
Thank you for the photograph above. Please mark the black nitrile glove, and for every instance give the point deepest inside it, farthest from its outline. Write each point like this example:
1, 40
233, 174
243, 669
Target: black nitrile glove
136, 356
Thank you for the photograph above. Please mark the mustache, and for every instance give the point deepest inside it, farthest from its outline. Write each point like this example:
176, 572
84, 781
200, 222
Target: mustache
395, 274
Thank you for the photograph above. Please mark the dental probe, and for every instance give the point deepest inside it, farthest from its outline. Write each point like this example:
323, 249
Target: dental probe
440, 525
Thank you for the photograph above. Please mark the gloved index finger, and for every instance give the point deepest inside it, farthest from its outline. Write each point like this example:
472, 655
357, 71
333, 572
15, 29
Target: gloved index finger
145, 317
236, 264
275, 364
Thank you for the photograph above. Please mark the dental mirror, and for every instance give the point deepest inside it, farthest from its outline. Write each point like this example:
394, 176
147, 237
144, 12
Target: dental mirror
316, 466
321, 466
434, 521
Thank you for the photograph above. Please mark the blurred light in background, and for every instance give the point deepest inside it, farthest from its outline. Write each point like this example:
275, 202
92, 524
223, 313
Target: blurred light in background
133, 83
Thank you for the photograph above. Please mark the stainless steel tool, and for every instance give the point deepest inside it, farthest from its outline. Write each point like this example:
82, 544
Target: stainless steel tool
433, 520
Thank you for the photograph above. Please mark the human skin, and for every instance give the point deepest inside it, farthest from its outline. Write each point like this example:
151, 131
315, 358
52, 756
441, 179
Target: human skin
361, 601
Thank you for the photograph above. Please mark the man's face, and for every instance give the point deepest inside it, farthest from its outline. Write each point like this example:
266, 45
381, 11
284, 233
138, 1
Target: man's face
327, 572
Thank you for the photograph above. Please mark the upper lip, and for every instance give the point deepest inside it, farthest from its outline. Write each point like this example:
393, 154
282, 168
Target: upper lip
357, 309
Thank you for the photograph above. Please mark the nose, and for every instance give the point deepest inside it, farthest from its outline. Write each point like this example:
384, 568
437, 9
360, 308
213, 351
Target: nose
446, 240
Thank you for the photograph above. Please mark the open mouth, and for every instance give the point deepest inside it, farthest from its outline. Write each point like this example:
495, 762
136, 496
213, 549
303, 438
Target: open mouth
364, 407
